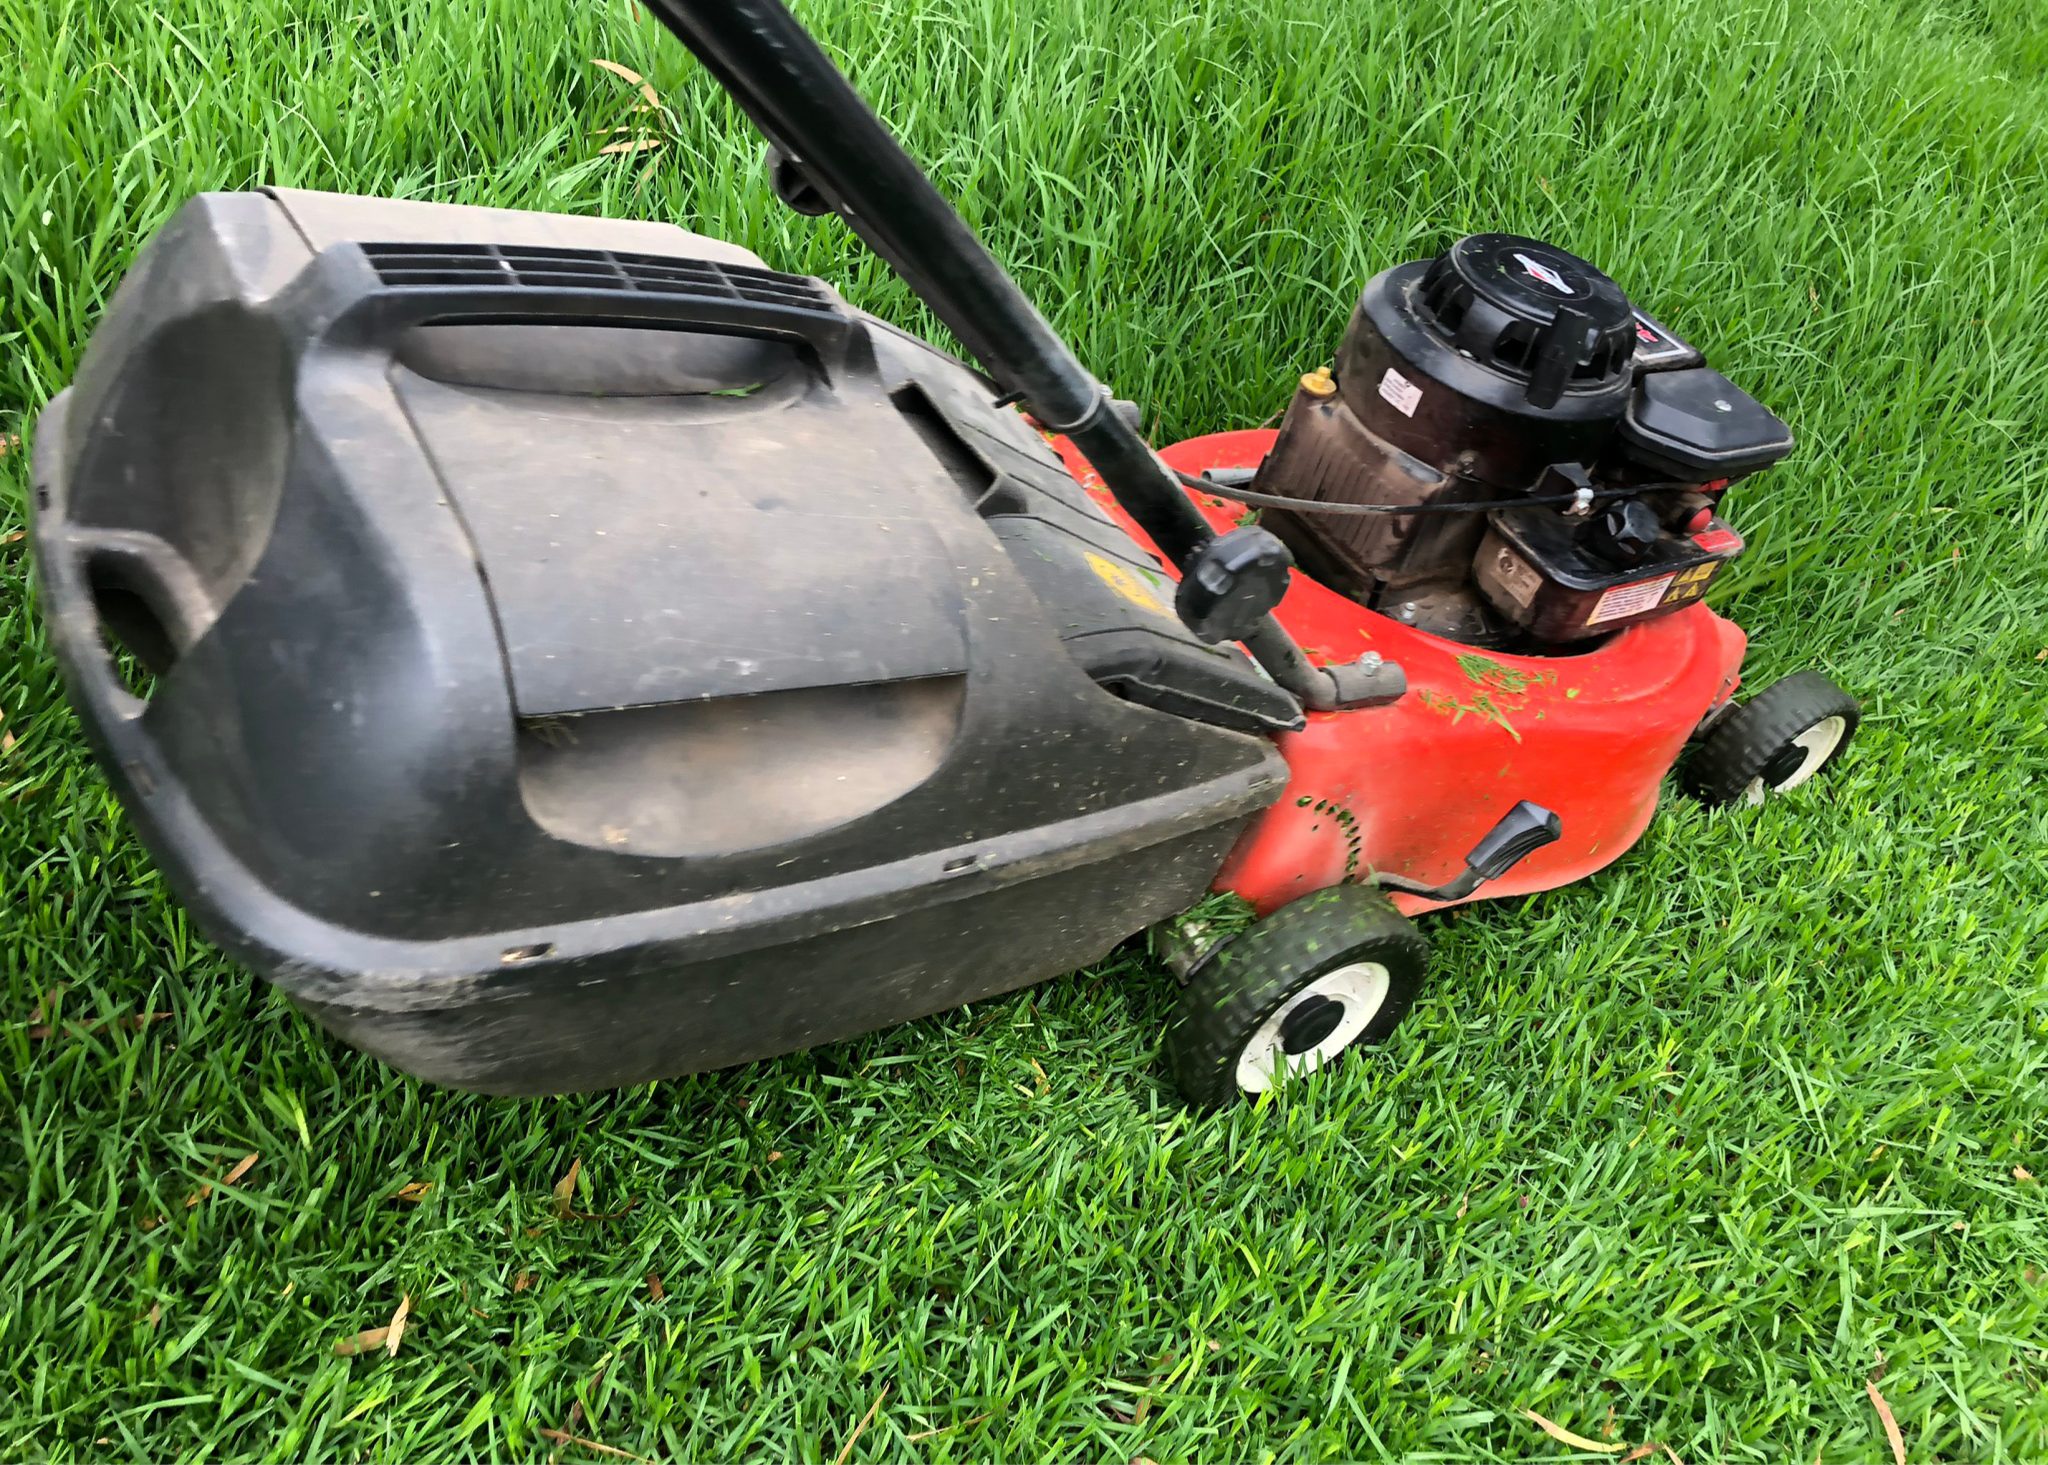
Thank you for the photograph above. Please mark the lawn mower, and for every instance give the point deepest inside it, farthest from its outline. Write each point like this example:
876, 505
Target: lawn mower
562, 652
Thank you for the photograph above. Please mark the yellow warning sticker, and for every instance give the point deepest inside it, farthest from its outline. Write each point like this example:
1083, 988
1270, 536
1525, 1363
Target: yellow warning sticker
1126, 584
1692, 583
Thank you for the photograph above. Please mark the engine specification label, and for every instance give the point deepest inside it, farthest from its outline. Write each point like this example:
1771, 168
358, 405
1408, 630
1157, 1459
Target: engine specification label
1401, 392
1628, 600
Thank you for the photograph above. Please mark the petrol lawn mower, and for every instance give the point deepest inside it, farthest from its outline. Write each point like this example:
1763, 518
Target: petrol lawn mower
574, 653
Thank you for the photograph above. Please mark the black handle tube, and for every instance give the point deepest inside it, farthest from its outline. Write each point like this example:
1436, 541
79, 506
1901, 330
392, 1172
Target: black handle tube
770, 65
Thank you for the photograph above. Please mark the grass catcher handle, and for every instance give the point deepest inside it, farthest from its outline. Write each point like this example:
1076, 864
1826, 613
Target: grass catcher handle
817, 122
390, 288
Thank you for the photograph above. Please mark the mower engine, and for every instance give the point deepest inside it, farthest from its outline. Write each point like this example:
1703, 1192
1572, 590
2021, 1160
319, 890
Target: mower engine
1512, 455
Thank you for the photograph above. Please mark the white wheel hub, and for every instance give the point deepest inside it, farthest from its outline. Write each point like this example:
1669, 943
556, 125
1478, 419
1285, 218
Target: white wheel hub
1359, 990
1817, 744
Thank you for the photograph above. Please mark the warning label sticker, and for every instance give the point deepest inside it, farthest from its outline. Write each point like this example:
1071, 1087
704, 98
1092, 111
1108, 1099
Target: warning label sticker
1692, 583
1628, 600
1126, 584
1401, 392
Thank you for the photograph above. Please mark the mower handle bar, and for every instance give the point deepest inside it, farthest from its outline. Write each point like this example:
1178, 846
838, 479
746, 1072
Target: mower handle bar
772, 67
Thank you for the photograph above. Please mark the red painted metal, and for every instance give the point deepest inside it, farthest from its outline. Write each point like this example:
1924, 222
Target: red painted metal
1409, 788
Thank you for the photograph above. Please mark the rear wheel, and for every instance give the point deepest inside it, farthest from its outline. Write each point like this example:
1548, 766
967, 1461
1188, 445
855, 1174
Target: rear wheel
1774, 742
1334, 969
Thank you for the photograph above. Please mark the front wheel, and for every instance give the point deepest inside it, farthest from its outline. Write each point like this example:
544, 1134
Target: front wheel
1332, 970
1774, 742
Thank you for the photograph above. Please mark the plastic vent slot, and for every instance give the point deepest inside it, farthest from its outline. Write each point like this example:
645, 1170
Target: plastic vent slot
544, 268
1441, 300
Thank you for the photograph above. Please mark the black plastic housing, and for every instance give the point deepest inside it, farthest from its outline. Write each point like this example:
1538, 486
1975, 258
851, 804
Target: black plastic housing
1544, 571
1468, 413
1507, 369
585, 655
1695, 425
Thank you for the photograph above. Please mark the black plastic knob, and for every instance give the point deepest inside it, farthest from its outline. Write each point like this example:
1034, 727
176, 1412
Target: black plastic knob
1624, 533
1231, 582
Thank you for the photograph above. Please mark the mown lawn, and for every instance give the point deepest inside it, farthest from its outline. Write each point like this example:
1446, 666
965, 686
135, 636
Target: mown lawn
1687, 1154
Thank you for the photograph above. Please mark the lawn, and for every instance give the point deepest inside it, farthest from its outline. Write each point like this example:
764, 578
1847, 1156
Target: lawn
1694, 1153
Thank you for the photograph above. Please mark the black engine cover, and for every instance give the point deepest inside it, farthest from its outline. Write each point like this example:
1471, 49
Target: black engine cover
1460, 384
1442, 358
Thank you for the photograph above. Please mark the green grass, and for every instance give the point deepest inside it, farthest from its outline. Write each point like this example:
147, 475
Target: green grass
1678, 1153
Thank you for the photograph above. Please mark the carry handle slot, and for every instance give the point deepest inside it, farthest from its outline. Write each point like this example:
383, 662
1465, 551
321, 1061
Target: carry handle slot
398, 286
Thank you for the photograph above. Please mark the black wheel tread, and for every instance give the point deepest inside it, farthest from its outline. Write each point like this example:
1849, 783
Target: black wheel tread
1737, 749
1236, 989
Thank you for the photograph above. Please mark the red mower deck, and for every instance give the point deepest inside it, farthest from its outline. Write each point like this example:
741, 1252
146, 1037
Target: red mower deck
1406, 789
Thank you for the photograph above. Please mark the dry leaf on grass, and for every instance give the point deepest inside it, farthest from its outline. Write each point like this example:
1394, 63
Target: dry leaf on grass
521, 1282
395, 1332
1577, 1441
625, 1210
565, 1190
636, 145
932, 1434
596, 1377
1891, 1425
2022, 1173
40, 1013
9, 441
628, 74
655, 1291
13, 536
413, 1191
563, 1437
135, 1022
241, 1168
846, 1450
367, 1341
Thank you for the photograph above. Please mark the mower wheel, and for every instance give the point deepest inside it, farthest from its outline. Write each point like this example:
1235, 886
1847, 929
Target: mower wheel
1333, 969
1774, 742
